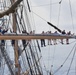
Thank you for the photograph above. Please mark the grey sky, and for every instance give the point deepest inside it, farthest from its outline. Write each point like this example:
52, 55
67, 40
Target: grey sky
45, 11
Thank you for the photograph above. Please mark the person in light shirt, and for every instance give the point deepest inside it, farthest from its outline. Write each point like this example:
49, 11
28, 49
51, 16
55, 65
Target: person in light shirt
43, 40
49, 40
63, 32
67, 40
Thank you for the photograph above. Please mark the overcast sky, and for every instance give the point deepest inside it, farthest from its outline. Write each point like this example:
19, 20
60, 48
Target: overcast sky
63, 16
58, 14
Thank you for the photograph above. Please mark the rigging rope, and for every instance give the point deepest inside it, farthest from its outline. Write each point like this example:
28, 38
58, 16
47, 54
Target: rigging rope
65, 60
39, 16
34, 48
27, 18
24, 27
47, 4
28, 6
21, 25
71, 15
31, 49
59, 12
32, 19
71, 61
50, 12
49, 23
53, 56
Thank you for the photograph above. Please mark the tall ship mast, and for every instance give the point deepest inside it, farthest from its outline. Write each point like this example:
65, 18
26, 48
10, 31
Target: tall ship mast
20, 51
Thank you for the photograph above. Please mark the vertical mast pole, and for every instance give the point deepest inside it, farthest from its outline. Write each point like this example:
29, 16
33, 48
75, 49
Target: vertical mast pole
17, 66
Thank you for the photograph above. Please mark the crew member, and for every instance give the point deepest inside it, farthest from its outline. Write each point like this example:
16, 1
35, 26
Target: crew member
43, 40
24, 41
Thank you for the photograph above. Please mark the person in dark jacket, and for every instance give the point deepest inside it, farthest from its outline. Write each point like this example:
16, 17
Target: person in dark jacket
3, 32
43, 40
13, 42
24, 41
67, 40
63, 32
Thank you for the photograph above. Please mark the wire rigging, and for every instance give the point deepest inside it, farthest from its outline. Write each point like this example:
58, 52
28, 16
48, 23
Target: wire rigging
65, 60
50, 12
71, 14
49, 55
71, 61
55, 27
39, 16
53, 56
34, 59
59, 12
27, 18
47, 4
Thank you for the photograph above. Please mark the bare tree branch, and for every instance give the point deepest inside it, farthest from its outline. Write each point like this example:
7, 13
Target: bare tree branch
11, 9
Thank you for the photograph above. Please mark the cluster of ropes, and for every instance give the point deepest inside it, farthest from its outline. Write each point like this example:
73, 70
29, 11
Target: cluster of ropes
32, 52
74, 51
29, 56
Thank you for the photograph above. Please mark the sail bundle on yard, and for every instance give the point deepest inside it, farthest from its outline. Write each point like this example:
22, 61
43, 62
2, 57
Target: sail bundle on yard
54, 27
